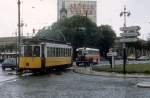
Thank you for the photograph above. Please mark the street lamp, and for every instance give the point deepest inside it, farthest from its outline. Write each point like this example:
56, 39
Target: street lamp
125, 14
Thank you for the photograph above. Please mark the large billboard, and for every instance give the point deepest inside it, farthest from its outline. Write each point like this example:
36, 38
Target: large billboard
69, 8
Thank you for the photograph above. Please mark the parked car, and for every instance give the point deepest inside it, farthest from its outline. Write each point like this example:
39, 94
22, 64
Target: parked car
131, 57
9, 63
143, 58
1, 60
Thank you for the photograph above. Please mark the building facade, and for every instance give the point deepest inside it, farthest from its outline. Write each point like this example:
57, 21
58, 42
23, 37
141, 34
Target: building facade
8, 47
133, 50
69, 8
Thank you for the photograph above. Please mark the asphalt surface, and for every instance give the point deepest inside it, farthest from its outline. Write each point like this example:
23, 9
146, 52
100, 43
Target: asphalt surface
67, 84
7, 75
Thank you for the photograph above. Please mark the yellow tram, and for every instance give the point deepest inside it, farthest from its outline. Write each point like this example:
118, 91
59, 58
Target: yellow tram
41, 55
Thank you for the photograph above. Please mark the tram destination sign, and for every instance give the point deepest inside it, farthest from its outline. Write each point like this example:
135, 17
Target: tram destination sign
131, 28
126, 40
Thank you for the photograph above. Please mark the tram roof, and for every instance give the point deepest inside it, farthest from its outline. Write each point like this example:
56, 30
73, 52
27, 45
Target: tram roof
41, 40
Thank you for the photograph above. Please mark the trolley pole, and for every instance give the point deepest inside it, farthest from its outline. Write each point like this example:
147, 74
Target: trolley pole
125, 14
19, 34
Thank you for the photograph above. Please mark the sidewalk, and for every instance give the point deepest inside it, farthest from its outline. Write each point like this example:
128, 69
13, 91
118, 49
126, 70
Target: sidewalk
89, 71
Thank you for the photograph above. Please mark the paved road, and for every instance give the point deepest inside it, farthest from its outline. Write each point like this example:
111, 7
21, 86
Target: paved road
68, 84
7, 75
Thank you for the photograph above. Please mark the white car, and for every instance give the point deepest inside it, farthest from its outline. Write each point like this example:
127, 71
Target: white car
142, 58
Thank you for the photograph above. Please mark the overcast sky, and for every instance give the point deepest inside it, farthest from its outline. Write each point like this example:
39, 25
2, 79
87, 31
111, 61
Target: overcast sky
39, 13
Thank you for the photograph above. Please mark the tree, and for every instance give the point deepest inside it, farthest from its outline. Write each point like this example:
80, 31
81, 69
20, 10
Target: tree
105, 38
47, 33
80, 32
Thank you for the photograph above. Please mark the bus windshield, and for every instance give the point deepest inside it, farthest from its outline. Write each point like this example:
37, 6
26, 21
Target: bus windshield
82, 52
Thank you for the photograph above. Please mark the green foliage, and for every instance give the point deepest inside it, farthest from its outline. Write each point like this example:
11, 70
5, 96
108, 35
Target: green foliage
80, 32
47, 33
105, 38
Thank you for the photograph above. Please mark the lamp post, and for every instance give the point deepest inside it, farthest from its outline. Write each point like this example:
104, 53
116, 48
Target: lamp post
19, 33
125, 14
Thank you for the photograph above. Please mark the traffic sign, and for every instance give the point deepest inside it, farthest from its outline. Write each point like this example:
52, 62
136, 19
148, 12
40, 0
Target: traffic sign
112, 54
131, 28
134, 39
131, 34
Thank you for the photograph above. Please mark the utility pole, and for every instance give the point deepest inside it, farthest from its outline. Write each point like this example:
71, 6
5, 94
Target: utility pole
125, 14
19, 33
86, 25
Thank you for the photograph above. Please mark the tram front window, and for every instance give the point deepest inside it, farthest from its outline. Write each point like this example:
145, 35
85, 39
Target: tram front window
36, 51
28, 51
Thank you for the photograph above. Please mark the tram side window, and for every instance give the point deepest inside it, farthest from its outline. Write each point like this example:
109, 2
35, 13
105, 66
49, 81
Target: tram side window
60, 51
67, 51
36, 51
52, 51
28, 51
49, 51
56, 52
70, 52
63, 52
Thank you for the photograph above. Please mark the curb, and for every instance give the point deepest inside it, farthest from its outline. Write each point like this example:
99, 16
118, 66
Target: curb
143, 84
108, 74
